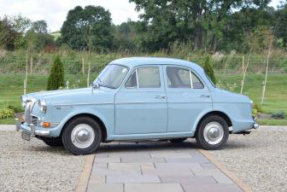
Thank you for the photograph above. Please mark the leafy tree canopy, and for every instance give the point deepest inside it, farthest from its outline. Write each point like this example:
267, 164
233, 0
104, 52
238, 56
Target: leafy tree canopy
167, 21
89, 26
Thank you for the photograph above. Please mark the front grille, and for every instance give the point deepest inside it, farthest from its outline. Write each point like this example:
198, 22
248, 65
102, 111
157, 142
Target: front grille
28, 110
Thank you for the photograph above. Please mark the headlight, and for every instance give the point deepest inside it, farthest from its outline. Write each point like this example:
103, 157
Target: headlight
43, 105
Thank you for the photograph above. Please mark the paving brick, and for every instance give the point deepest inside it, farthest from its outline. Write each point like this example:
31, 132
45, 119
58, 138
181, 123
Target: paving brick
95, 179
216, 173
153, 188
207, 165
178, 166
188, 179
167, 171
171, 154
107, 160
133, 179
185, 160
131, 166
117, 172
101, 155
100, 165
105, 188
198, 187
138, 159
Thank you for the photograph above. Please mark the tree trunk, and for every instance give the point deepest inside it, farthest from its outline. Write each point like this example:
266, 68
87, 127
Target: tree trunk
198, 38
26, 74
266, 72
214, 43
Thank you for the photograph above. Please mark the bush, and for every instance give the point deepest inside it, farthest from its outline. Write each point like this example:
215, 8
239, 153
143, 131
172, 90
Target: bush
278, 115
16, 109
56, 78
258, 108
6, 113
209, 71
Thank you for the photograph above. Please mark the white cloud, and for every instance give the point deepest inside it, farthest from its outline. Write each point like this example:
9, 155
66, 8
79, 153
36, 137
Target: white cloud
55, 11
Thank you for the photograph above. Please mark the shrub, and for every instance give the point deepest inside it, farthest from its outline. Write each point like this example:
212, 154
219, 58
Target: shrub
6, 113
16, 109
258, 108
209, 71
56, 78
278, 115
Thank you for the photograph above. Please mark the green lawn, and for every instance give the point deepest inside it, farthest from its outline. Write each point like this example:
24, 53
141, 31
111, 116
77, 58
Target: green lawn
276, 91
11, 88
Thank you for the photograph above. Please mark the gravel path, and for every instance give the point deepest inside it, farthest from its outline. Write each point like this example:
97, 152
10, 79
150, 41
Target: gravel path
34, 166
259, 159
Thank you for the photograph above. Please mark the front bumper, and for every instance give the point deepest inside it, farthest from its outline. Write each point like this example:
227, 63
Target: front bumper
255, 126
29, 131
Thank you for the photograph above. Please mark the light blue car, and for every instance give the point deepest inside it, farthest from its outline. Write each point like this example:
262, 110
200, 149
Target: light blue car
138, 99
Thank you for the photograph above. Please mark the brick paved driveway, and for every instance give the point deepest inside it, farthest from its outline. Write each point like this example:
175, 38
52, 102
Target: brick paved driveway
156, 167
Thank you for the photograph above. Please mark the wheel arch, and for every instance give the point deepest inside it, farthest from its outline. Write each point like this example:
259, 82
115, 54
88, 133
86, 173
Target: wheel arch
92, 116
218, 113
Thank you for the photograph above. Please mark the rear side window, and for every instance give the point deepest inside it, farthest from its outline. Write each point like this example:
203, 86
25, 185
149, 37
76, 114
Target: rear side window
182, 78
144, 77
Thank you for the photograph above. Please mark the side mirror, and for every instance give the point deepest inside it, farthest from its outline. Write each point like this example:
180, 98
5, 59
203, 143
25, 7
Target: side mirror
95, 85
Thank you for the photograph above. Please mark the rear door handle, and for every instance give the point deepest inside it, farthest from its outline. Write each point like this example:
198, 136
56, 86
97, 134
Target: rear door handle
204, 96
161, 97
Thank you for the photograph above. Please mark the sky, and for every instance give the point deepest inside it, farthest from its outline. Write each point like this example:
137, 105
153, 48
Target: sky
55, 11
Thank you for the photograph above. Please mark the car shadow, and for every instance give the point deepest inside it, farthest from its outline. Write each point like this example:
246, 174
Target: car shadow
129, 146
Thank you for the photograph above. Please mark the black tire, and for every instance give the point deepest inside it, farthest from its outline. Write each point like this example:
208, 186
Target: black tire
179, 140
53, 142
200, 133
67, 140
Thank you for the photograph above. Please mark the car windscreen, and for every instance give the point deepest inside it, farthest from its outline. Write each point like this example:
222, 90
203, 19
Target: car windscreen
112, 76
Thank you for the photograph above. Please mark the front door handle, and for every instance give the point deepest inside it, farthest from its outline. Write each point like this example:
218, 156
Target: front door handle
204, 96
161, 97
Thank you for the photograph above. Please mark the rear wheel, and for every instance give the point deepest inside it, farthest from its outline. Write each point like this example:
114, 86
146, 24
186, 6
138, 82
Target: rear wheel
179, 140
212, 133
82, 136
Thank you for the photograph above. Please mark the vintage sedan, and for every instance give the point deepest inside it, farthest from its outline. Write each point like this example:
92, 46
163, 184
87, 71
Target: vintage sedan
138, 99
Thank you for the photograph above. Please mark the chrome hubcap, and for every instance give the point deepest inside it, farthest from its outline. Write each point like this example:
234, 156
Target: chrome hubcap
213, 133
83, 136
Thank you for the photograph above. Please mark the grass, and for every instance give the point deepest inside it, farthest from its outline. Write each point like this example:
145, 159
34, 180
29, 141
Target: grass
276, 90
11, 88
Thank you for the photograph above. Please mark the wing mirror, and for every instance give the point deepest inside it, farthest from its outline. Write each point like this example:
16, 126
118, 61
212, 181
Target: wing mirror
95, 85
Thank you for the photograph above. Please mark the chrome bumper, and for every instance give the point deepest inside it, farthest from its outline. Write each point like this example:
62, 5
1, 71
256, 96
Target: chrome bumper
255, 126
29, 131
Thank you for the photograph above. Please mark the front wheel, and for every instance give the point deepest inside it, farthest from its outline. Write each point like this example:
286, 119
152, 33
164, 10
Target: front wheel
212, 133
82, 136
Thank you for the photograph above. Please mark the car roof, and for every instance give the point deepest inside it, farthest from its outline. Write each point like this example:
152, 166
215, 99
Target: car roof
135, 61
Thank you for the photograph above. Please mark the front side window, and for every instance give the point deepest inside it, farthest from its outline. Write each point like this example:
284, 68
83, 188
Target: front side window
112, 76
182, 78
144, 77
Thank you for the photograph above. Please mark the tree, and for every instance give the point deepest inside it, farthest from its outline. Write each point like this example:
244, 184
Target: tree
39, 27
91, 24
125, 36
8, 36
167, 21
56, 78
281, 32
209, 71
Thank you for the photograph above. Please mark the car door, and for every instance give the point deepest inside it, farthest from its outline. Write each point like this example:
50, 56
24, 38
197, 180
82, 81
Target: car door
187, 98
140, 105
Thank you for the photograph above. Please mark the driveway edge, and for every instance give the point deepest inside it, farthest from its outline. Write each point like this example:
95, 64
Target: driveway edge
85, 176
245, 187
